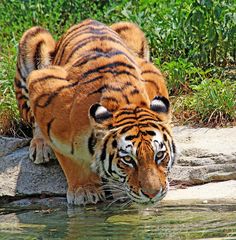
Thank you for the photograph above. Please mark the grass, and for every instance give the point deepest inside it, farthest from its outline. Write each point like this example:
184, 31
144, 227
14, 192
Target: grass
192, 42
212, 103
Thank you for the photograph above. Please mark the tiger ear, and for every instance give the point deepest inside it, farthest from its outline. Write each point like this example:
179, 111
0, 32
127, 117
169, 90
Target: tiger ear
160, 104
99, 113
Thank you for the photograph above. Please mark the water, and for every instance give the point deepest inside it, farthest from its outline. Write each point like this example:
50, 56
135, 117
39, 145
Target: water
97, 222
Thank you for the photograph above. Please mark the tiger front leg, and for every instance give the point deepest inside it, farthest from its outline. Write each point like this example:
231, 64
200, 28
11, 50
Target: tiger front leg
84, 186
36, 51
39, 150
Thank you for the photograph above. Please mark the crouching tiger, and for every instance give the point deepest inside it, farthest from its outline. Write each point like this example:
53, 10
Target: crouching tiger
101, 105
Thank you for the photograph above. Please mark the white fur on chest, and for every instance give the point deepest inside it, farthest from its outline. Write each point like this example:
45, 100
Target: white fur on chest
76, 149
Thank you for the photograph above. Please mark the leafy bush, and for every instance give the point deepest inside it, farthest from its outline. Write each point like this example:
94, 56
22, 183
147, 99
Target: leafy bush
198, 30
201, 31
214, 100
181, 74
211, 29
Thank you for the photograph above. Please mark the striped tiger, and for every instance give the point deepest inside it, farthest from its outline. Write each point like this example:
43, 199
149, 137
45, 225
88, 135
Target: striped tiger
95, 98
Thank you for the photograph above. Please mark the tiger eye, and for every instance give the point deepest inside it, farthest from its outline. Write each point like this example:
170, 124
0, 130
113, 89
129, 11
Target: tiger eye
160, 154
127, 158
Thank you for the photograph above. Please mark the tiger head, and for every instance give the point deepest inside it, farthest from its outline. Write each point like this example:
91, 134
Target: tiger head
133, 149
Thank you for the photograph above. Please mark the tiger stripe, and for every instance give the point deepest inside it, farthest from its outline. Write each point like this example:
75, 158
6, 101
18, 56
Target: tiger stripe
100, 104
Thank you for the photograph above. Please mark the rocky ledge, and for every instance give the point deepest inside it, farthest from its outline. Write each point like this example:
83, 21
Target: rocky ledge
204, 156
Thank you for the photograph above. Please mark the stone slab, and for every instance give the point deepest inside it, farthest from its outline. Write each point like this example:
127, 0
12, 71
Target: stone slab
19, 176
204, 155
217, 192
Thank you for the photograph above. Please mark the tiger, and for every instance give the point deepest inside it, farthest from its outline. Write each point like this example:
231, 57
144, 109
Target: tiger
98, 103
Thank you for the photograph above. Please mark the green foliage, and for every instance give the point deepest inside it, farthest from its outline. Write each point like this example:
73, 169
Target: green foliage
211, 31
214, 99
7, 95
180, 74
202, 31
56, 16
189, 40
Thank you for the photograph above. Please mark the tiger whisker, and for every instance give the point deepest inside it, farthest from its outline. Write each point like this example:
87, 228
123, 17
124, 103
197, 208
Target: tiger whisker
116, 192
109, 187
115, 200
115, 195
113, 183
112, 187
129, 201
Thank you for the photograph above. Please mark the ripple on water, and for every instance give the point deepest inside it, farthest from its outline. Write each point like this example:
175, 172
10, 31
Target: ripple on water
162, 222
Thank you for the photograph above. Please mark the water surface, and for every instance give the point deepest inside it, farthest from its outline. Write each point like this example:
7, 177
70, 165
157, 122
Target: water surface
205, 221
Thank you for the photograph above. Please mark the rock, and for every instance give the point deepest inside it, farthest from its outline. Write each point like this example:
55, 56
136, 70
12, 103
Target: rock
21, 177
9, 145
217, 192
210, 193
205, 155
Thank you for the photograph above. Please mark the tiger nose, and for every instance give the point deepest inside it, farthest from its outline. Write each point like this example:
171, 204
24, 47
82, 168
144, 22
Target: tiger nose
150, 193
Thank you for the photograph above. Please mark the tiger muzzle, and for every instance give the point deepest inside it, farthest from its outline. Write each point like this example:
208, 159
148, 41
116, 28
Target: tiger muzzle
150, 182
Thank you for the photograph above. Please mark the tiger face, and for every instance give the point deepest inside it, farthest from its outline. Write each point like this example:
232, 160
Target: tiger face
133, 149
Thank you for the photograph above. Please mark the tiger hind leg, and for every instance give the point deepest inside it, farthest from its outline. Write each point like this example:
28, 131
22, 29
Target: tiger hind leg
134, 38
36, 50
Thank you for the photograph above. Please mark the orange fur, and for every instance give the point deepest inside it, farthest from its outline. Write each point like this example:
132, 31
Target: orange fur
94, 63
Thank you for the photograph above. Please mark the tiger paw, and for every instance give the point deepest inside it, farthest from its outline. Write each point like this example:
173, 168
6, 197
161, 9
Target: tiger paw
39, 151
85, 195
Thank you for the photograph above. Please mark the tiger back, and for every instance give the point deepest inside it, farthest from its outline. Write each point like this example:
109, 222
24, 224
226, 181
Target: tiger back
103, 108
